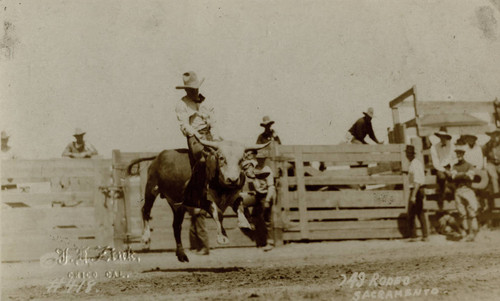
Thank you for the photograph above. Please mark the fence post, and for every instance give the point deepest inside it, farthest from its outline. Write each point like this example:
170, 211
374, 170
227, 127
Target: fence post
120, 219
103, 212
301, 192
277, 212
406, 181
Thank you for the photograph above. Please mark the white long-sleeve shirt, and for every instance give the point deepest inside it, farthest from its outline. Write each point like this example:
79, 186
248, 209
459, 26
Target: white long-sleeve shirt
194, 116
474, 156
442, 155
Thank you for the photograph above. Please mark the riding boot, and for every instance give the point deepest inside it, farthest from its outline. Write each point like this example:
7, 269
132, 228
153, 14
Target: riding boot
195, 190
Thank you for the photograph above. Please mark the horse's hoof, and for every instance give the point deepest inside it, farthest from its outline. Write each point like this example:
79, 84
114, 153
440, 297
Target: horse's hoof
222, 240
182, 258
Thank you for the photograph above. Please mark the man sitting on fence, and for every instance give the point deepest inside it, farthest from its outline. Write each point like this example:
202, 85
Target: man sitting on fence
473, 152
361, 128
79, 148
260, 194
442, 160
461, 175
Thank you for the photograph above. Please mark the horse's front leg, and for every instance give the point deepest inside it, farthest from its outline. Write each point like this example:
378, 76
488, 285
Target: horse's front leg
217, 215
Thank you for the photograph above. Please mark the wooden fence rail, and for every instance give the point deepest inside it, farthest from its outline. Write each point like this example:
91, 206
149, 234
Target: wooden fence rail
49, 204
329, 204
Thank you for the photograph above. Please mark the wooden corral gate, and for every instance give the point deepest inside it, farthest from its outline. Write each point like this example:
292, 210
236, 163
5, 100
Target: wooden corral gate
348, 200
49, 204
338, 203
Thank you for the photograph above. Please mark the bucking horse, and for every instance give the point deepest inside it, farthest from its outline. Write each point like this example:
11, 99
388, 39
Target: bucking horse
169, 172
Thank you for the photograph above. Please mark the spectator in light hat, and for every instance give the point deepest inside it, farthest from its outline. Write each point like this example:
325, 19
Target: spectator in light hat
269, 134
442, 159
79, 148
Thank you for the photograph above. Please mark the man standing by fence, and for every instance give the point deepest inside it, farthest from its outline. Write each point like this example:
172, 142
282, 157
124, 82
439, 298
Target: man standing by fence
416, 203
491, 151
260, 195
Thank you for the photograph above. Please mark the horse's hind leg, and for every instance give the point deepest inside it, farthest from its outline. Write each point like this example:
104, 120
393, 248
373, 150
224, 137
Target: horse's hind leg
149, 199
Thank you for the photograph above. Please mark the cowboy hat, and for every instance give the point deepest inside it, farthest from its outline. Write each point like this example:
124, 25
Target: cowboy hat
79, 132
493, 130
468, 137
190, 81
262, 174
266, 120
369, 112
4, 135
251, 161
410, 149
460, 148
443, 133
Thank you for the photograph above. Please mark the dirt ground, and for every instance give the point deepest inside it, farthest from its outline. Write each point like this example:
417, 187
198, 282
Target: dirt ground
382, 269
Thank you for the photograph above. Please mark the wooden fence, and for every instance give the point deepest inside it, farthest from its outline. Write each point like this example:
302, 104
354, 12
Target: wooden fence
330, 204
49, 204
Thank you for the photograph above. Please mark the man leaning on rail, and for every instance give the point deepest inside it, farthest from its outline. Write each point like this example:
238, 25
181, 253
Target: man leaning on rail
79, 148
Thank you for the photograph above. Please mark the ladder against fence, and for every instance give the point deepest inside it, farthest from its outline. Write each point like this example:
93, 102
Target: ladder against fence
362, 193
49, 204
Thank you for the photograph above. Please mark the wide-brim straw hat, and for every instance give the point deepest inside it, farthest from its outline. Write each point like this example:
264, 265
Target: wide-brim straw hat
410, 149
443, 133
460, 148
251, 161
369, 112
190, 81
79, 132
266, 120
493, 131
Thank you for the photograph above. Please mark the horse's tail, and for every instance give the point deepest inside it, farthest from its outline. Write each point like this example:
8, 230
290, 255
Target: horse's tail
136, 161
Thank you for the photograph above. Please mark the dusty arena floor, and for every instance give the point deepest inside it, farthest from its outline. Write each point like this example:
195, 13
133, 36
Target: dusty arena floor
397, 269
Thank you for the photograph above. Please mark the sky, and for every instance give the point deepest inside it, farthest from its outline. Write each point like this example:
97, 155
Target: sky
111, 67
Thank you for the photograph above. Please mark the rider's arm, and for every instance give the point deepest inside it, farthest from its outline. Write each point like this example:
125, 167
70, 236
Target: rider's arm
214, 130
183, 117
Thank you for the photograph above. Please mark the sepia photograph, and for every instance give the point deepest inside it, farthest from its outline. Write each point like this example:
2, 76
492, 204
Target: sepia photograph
250, 150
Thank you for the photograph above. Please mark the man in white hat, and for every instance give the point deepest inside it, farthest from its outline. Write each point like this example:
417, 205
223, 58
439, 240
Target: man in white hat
443, 159
269, 134
196, 119
7, 152
361, 128
473, 153
461, 175
79, 148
